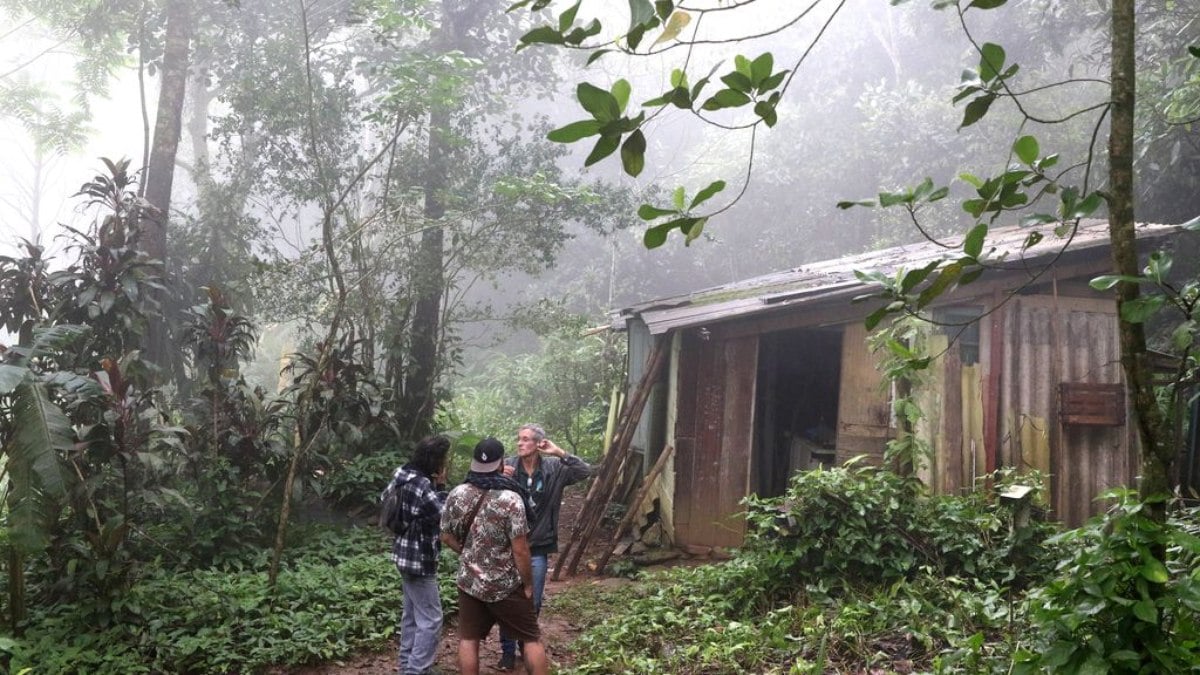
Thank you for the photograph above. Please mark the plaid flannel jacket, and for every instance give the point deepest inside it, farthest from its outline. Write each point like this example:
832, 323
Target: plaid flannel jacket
415, 551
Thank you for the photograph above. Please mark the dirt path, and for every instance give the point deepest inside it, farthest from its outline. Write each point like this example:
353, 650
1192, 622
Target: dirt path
558, 632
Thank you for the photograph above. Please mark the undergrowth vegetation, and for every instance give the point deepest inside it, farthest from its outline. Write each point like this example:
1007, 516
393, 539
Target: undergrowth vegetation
337, 593
858, 570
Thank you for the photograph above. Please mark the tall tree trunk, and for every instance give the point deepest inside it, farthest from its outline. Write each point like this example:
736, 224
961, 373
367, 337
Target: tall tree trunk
429, 282
1156, 450
160, 172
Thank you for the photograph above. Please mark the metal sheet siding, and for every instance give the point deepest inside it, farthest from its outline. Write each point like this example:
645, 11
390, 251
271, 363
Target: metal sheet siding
640, 342
1050, 340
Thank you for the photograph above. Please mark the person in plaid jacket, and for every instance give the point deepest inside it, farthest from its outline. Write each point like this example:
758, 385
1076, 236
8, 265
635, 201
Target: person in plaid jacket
421, 488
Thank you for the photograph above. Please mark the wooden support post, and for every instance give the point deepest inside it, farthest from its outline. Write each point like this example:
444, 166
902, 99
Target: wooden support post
636, 505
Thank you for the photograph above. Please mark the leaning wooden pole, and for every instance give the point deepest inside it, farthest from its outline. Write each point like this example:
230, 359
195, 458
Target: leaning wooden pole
601, 490
636, 505
613, 467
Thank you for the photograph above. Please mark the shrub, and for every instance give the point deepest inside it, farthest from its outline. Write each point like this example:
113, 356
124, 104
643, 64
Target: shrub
1126, 600
852, 567
338, 593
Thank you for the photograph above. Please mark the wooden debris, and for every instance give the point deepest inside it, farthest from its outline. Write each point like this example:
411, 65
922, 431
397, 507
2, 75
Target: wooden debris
636, 505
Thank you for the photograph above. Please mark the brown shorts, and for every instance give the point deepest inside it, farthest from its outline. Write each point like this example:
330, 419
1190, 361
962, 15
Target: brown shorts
515, 614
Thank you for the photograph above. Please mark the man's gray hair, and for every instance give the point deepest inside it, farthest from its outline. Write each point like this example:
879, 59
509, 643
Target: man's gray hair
538, 432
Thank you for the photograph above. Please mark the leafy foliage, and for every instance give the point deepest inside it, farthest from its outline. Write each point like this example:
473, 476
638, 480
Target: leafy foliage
565, 386
338, 593
1114, 604
856, 569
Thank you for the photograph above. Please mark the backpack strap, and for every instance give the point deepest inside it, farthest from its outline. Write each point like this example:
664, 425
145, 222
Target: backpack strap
471, 517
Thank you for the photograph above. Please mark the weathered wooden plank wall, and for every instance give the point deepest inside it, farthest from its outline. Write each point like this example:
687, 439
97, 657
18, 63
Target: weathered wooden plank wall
864, 408
714, 433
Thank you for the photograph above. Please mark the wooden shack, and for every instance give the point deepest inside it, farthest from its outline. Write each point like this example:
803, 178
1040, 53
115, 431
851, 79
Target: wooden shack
773, 375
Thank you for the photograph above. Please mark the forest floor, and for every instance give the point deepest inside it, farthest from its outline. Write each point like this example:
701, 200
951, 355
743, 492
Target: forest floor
558, 623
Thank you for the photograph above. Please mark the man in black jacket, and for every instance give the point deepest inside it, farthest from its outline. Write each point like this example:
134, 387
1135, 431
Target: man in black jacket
544, 479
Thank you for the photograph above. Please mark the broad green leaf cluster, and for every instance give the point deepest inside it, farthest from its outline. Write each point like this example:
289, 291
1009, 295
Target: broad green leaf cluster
857, 569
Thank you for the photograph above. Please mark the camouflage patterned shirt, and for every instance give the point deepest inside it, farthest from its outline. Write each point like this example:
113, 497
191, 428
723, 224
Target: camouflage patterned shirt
486, 569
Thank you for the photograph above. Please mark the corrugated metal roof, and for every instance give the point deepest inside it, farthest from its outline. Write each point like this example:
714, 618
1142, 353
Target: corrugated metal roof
834, 279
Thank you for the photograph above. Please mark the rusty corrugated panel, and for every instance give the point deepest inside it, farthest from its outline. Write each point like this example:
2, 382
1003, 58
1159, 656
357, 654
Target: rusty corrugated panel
1049, 341
835, 280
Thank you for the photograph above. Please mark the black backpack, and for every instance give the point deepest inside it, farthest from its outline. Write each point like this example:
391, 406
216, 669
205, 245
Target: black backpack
390, 510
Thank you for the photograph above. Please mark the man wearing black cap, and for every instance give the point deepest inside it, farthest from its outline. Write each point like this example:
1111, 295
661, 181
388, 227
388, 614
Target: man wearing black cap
485, 522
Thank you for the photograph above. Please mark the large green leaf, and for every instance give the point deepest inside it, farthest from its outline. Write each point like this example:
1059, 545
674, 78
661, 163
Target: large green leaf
1107, 281
651, 212
32, 457
655, 236
737, 82
603, 148
761, 67
976, 109
1026, 149
599, 102
942, 282
545, 35
991, 61
574, 131
707, 192
1140, 309
568, 17
633, 153
726, 98
10, 377
1154, 570
620, 92
640, 12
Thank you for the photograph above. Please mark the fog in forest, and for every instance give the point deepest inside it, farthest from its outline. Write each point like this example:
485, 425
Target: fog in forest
868, 109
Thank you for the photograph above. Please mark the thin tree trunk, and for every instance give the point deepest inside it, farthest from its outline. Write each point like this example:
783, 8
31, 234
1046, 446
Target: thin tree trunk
331, 201
16, 590
1156, 451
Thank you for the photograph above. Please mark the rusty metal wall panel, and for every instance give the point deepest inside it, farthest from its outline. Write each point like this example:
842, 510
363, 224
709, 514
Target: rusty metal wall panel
640, 342
737, 439
1051, 340
686, 386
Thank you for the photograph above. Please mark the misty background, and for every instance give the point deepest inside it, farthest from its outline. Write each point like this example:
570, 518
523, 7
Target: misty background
533, 233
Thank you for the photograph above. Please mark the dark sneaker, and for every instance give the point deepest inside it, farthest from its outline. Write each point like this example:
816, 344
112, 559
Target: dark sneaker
507, 662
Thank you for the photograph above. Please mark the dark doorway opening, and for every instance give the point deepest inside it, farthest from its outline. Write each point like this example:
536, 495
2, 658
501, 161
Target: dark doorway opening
799, 380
